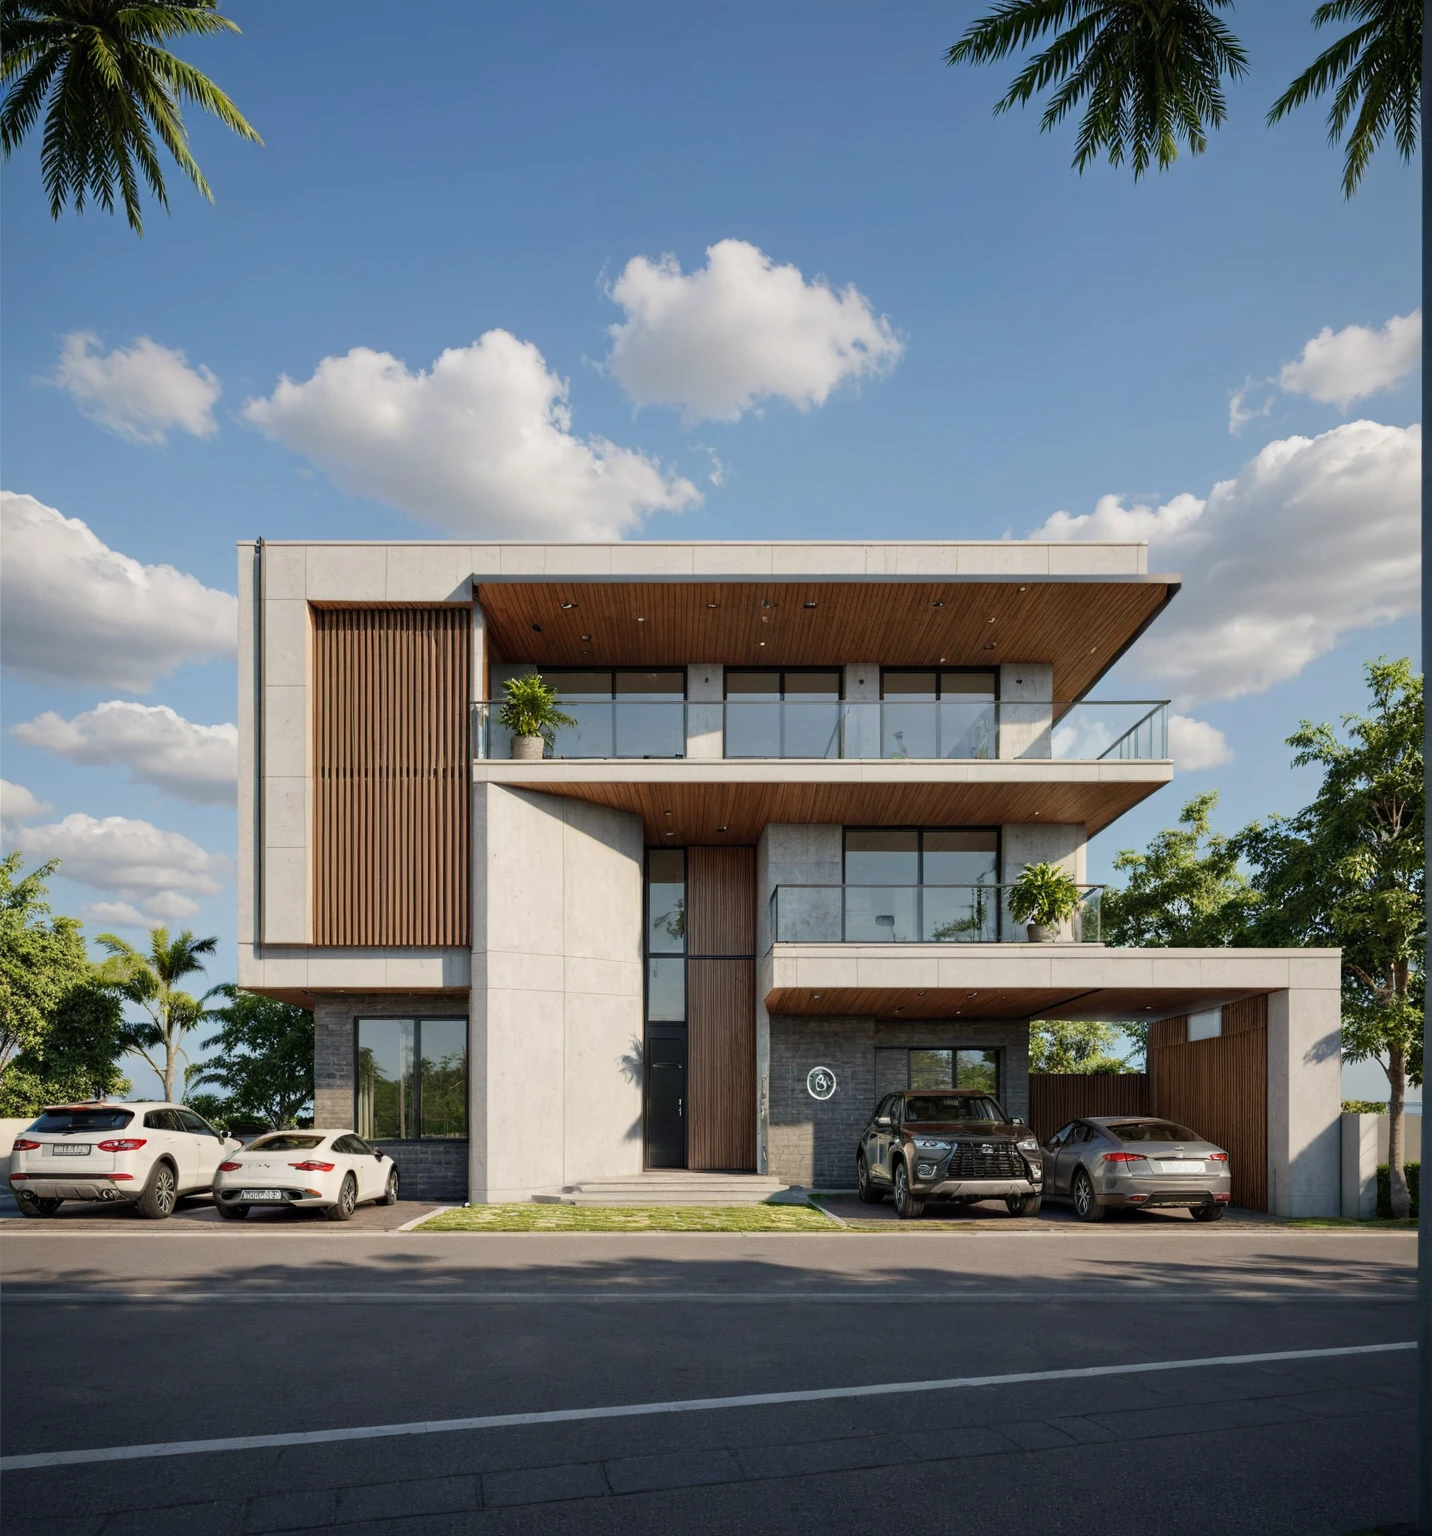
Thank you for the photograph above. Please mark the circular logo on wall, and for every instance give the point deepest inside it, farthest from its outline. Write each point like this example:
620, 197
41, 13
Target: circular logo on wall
820, 1082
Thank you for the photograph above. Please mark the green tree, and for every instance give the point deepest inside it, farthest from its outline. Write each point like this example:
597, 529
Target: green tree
1348, 871
1074, 1045
111, 90
150, 982
1149, 74
266, 1063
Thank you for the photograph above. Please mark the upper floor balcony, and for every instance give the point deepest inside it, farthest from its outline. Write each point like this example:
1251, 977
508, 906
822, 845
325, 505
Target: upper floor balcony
865, 913
931, 730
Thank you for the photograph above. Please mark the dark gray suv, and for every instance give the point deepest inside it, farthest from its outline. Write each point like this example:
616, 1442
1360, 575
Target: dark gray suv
948, 1145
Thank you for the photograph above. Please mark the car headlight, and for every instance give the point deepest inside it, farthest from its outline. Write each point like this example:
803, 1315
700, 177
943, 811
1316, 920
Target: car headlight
1028, 1144
932, 1146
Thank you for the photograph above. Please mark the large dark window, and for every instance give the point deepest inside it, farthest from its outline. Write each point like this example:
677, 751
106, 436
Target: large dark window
411, 1079
904, 885
930, 1068
620, 713
938, 713
772, 713
666, 936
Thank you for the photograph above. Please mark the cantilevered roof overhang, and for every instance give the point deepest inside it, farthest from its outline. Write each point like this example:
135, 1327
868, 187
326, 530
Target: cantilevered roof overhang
1080, 623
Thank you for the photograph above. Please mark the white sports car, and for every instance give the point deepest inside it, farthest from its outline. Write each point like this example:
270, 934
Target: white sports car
335, 1171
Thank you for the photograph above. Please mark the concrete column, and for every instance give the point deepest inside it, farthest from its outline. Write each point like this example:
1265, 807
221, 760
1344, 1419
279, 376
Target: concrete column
1304, 1101
705, 692
1359, 1166
1026, 715
861, 732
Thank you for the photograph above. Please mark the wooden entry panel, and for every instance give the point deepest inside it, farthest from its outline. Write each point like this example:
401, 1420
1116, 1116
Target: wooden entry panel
721, 1045
1056, 1098
1219, 1088
721, 1007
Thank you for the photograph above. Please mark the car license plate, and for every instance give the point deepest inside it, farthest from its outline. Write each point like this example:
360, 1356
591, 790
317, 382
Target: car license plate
1181, 1165
261, 1194
70, 1149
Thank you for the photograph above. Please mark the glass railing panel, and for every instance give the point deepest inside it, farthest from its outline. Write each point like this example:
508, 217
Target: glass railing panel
877, 914
592, 736
753, 730
810, 729
1095, 729
908, 730
967, 730
960, 914
656, 729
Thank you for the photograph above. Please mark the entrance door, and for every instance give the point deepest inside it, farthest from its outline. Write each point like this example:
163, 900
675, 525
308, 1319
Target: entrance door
666, 1102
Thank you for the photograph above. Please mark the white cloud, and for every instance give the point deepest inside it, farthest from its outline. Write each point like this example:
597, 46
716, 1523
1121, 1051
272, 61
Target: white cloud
114, 914
1313, 539
73, 610
740, 330
198, 763
138, 392
1338, 367
1195, 744
140, 863
481, 443
17, 805
1239, 414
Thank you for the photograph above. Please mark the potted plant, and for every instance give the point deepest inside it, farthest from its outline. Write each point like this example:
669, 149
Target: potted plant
532, 713
1043, 897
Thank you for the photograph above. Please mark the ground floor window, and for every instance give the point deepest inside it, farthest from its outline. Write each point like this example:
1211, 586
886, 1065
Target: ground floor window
926, 1068
411, 1080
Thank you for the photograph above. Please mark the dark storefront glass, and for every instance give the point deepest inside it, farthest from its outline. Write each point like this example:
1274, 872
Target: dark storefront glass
442, 1077
411, 1079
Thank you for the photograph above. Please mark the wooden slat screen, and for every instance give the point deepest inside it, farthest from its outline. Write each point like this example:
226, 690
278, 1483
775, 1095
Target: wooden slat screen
1056, 1098
721, 1007
1219, 1088
392, 775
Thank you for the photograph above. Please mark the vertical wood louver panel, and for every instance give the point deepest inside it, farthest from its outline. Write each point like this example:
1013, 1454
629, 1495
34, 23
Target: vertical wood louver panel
1219, 1088
721, 1007
391, 775
1056, 1098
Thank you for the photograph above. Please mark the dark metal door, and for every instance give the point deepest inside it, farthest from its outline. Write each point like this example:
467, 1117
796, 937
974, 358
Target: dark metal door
666, 1102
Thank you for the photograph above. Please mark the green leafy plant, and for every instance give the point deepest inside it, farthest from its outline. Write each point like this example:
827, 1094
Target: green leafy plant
1364, 1106
532, 708
1044, 894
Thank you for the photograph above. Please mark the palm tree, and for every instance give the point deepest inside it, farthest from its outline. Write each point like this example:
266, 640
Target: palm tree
150, 982
108, 82
1151, 73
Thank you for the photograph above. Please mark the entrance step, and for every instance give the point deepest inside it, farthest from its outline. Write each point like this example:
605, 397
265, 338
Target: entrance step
675, 1186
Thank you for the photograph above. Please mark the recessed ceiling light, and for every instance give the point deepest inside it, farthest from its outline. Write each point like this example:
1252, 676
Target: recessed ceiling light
538, 628
760, 642
671, 834
713, 605
988, 645
919, 994
810, 605
938, 605
765, 603
815, 997
1024, 589
899, 1010
569, 605
971, 994
641, 620
666, 813
586, 637
990, 619
720, 829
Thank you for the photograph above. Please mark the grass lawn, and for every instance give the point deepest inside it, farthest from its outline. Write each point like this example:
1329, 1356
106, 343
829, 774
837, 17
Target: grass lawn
1372, 1224
630, 1218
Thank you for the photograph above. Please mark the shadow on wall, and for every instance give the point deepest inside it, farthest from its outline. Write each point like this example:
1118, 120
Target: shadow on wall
633, 1067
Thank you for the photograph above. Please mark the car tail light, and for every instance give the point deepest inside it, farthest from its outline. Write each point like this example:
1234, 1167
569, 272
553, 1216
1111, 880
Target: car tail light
230, 1167
118, 1177
1134, 1199
121, 1144
1123, 1157
23, 1144
1221, 1197
16, 1177
1218, 1157
312, 1167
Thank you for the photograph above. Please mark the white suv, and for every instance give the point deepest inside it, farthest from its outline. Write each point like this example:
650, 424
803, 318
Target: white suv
144, 1155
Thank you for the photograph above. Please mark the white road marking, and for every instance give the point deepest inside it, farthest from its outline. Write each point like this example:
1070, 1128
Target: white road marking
417, 1221
646, 1410
120, 1295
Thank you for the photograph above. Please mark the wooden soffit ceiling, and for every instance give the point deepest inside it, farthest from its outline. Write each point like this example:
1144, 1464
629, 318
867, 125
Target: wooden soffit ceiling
906, 1005
1081, 626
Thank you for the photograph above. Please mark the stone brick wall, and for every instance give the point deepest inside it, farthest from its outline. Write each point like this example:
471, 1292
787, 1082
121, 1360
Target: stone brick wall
813, 1142
427, 1170
430, 1170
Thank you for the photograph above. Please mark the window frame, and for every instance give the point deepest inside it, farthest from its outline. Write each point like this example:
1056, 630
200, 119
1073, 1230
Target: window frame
417, 1021
955, 1047
783, 673
919, 832
939, 694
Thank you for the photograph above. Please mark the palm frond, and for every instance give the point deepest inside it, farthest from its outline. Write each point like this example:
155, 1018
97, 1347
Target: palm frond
1147, 74
1375, 74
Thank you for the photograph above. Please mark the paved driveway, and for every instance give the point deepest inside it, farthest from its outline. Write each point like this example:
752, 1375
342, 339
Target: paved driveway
1222, 1380
198, 1213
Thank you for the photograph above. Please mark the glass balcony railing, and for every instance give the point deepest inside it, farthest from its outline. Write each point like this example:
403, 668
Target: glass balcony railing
917, 914
934, 730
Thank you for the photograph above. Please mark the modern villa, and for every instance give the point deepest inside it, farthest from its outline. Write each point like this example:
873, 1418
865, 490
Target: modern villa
760, 881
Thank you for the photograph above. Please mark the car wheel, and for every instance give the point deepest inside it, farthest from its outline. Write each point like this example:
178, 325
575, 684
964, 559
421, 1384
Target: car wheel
1023, 1205
390, 1194
231, 1210
347, 1200
160, 1193
37, 1207
1086, 1205
865, 1185
1207, 1212
907, 1206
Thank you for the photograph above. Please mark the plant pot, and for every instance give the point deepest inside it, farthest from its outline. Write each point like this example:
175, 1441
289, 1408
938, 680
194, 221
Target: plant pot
528, 749
1039, 934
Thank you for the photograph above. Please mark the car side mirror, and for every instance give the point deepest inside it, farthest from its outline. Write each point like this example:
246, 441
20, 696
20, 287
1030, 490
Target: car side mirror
378, 1157
883, 1120
1016, 1120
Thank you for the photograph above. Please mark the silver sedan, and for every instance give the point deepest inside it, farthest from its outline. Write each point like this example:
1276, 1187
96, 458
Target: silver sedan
1133, 1162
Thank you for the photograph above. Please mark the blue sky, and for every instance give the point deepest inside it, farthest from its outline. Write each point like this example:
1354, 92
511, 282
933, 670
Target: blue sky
1061, 338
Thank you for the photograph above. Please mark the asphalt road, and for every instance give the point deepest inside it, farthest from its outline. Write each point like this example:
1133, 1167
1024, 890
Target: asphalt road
125, 1338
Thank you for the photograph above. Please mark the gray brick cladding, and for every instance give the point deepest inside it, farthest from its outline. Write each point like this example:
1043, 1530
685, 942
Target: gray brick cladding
812, 1141
427, 1170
